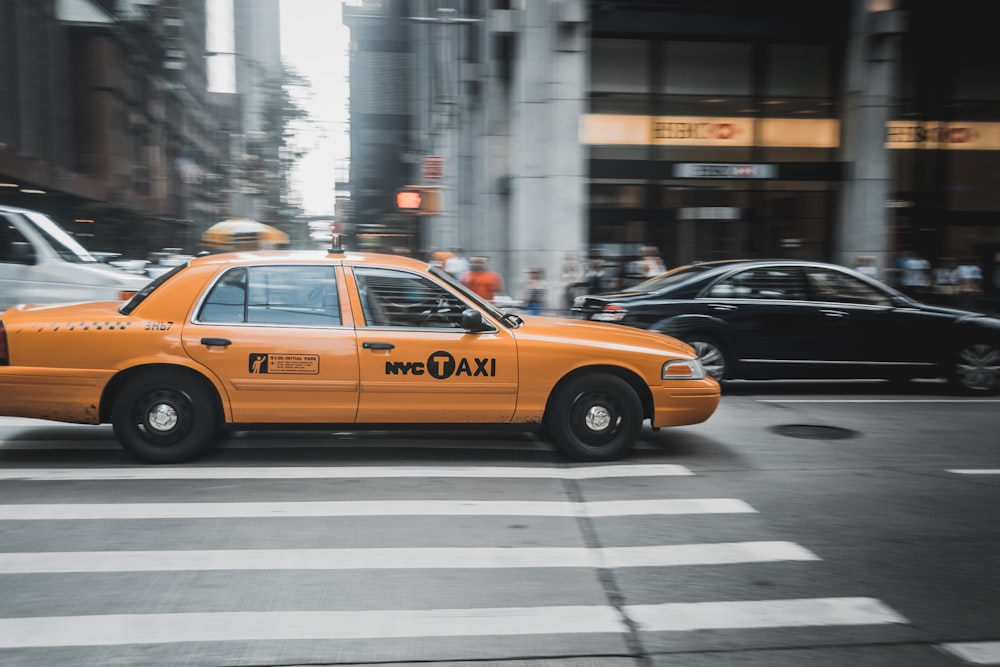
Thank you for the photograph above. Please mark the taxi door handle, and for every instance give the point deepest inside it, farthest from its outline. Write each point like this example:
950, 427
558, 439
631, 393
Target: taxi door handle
376, 345
216, 342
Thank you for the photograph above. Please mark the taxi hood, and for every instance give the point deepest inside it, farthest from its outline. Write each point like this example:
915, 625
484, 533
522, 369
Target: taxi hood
600, 334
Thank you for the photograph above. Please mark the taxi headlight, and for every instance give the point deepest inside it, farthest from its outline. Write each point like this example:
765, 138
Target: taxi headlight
683, 369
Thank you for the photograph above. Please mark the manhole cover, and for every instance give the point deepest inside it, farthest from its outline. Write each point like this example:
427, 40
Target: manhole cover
813, 432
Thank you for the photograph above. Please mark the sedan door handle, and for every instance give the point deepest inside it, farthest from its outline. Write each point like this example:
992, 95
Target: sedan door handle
722, 306
833, 313
216, 342
377, 345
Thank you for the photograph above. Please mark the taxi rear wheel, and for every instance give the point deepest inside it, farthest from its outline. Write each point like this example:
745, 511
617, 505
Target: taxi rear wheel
595, 417
164, 416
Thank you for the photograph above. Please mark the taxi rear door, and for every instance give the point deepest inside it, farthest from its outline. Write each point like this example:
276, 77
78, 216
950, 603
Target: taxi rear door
418, 365
276, 337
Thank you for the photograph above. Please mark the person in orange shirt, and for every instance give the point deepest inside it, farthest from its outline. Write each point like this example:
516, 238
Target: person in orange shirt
482, 281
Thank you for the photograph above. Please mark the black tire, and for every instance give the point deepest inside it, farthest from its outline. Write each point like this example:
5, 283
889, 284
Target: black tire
164, 416
712, 355
595, 417
976, 368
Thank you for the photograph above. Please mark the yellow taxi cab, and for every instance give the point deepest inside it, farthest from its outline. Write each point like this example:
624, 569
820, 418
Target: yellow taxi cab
306, 338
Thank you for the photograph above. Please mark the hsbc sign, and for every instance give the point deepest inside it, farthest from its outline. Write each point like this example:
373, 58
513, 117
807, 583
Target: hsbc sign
724, 170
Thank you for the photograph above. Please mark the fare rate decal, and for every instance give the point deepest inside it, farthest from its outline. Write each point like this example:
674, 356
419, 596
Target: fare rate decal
267, 363
442, 365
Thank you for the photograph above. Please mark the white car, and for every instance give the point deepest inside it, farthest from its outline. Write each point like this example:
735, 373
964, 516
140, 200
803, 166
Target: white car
41, 263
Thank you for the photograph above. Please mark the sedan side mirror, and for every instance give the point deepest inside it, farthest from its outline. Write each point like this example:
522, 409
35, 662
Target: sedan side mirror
472, 320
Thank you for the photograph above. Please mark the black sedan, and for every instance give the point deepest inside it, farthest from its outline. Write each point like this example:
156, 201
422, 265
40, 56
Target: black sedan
786, 319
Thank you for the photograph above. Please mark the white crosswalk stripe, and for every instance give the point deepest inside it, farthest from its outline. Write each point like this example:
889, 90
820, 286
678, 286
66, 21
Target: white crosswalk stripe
976, 653
406, 558
610, 508
344, 472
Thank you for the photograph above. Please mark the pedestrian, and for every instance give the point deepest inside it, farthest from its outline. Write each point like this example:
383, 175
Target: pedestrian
651, 263
481, 280
457, 264
534, 291
866, 265
439, 257
944, 280
996, 283
571, 277
595, 277
969, 277
916, 279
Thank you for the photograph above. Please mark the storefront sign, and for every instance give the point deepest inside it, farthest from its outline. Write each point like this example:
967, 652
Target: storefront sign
902, 134
622, 130
722, 170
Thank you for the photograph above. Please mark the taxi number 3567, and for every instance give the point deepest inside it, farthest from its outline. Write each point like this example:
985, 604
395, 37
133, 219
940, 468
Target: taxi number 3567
158, 326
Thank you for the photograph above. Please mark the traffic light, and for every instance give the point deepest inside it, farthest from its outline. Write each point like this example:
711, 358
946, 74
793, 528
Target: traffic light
419, 199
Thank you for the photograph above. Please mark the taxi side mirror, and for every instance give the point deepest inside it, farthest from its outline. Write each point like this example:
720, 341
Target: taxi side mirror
472, 320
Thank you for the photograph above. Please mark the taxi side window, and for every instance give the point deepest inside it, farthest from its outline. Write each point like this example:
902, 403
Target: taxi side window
393, 298
289, 295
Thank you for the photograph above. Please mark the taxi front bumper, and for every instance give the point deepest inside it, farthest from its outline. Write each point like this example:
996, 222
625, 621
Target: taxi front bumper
684, 402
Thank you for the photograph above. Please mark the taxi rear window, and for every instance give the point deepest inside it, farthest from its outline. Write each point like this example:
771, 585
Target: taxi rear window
140, 296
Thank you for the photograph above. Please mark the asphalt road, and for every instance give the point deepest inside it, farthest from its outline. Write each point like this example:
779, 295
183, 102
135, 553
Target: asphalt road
804, 525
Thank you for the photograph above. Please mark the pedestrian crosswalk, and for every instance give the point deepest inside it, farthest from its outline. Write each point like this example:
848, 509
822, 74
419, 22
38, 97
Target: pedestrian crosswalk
477, 576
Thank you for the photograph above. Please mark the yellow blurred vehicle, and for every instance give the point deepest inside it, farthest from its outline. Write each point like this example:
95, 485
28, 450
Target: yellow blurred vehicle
243, 234
308, 338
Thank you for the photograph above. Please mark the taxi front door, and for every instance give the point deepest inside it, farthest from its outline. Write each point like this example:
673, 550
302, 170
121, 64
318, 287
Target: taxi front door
418, 366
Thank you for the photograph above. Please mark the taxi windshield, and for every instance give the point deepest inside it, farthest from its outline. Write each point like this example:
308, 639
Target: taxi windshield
140, 296
508, 320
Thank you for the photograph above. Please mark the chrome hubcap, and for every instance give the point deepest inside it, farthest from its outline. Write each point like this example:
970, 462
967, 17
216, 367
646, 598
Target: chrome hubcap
598, 418
711, 359
979, 366
162, 417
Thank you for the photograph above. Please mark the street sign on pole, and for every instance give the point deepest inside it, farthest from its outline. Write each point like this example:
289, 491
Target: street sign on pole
433, 167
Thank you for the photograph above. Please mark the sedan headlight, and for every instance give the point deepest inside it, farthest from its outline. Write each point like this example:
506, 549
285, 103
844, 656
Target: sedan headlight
683, 369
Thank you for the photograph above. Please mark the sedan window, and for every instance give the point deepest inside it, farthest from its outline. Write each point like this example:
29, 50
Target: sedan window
402, 299
829, 285
761, 283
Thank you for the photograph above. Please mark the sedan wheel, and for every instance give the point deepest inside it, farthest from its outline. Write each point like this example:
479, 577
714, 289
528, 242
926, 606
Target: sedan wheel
711, 355
977, 369
164, 417
595, 417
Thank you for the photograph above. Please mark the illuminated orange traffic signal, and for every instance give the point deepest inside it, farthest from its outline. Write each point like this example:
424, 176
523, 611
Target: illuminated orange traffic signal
419, 199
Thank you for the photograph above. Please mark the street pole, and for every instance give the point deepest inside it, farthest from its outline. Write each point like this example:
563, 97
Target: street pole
444, 123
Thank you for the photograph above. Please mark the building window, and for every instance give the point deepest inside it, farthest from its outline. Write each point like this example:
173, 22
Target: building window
707, 68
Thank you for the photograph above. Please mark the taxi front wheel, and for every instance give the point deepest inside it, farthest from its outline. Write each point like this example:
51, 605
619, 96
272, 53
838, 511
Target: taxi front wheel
164, 416
595, 417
